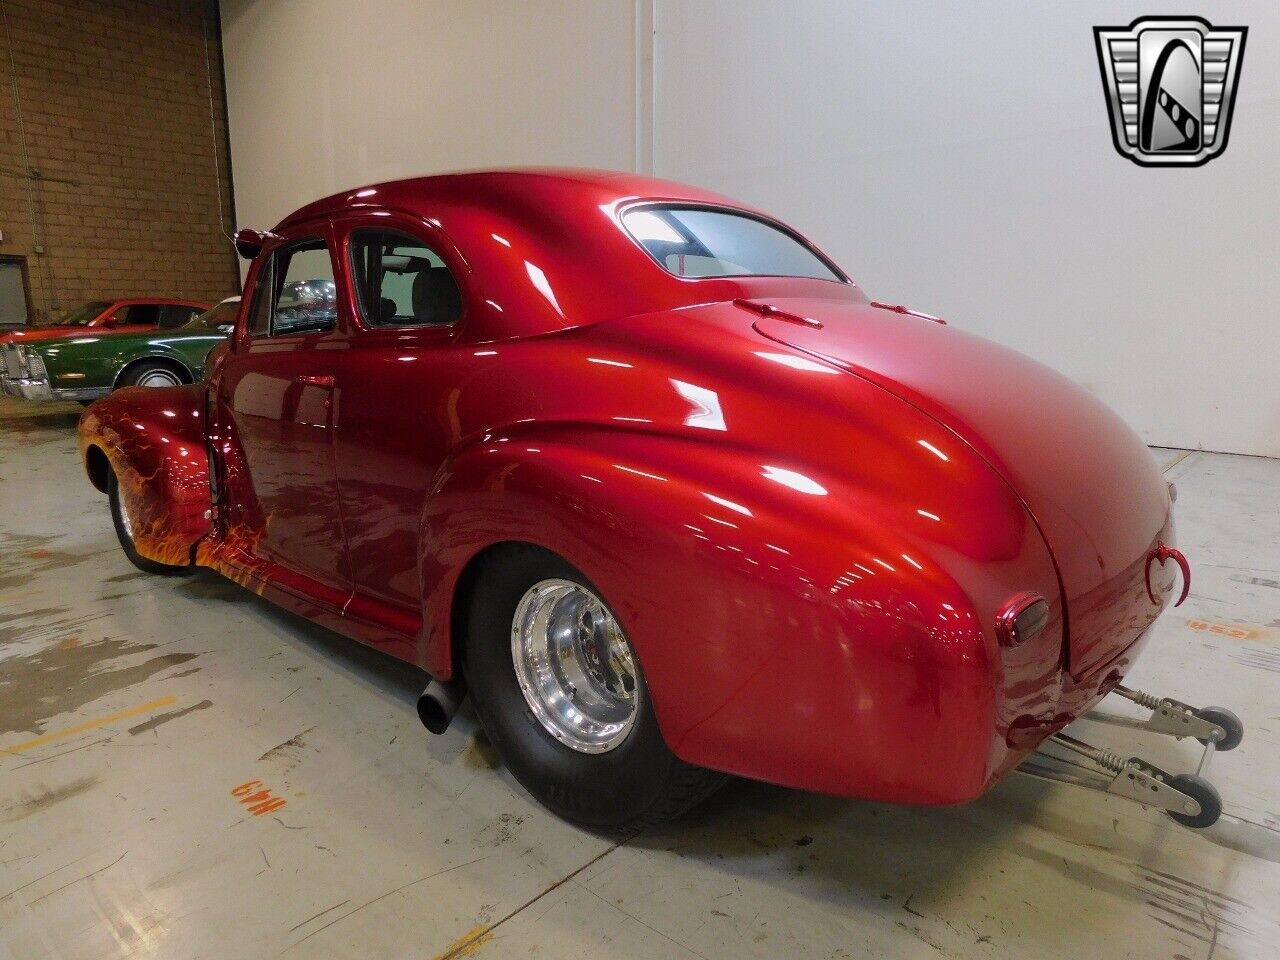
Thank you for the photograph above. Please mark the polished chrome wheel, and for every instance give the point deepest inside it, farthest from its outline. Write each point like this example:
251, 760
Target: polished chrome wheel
574, 666
159, 377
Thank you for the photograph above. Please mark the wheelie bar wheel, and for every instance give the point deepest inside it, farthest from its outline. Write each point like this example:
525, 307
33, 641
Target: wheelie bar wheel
1187, 798
1202, 792
1176, 719
1228, 721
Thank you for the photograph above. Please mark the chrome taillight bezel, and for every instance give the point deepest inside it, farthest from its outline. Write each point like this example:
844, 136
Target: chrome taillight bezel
1023, 617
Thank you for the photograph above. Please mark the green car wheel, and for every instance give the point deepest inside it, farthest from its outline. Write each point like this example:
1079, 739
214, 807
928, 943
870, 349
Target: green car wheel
152, 373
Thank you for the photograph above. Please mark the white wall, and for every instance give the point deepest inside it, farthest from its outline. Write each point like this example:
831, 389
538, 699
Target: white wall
329, 94
952, 156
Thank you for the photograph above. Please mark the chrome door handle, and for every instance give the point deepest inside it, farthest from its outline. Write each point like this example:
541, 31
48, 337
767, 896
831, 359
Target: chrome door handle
317, 379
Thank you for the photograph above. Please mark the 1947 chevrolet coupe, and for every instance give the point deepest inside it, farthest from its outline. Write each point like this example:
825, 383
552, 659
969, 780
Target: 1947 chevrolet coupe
645, 473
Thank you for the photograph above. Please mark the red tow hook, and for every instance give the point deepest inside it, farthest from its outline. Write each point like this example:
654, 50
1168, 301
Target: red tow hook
1163, 552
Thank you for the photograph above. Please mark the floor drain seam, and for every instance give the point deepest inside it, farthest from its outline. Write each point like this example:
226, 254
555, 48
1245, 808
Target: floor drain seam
488, 931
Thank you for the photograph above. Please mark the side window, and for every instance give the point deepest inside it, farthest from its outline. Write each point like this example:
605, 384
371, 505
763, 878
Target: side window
295, 292
402, 283
144, 314
306, 298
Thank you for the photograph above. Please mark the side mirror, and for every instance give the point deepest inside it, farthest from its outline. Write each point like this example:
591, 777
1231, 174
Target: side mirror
226, 327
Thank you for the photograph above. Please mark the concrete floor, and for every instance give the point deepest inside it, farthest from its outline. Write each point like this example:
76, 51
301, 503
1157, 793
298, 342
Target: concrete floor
186, 771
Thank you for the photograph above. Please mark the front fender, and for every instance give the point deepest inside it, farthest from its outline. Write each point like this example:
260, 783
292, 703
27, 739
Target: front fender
90, 361
802, 629
154, 441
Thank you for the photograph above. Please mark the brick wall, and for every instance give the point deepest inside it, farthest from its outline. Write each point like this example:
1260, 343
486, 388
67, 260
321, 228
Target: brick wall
114, 176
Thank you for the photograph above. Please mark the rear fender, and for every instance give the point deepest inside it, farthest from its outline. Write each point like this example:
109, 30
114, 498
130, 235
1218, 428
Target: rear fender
154, 441
818, 641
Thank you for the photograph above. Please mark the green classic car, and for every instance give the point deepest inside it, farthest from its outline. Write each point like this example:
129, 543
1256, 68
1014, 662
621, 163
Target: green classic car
88, 367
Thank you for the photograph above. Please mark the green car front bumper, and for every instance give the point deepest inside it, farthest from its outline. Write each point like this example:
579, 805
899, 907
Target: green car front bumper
38, 388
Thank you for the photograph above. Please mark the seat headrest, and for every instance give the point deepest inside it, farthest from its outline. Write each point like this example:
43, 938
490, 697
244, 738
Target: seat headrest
436, 297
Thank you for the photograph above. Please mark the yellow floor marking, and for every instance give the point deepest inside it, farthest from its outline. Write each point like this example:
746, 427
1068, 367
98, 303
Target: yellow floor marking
467, 944
89, 725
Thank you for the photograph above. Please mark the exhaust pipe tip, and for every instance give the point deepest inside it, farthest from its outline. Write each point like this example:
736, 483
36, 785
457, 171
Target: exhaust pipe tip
439, 702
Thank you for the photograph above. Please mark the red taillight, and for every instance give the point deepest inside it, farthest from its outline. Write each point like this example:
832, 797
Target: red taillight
1023, 616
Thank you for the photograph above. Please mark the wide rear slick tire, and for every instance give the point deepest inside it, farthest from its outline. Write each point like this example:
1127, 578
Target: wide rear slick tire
125, 535
624, 788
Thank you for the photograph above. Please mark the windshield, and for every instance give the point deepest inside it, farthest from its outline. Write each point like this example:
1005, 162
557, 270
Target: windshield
702, 242
81, 315
221, 315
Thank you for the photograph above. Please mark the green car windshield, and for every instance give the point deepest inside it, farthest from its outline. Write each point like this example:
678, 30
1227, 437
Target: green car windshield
220, 315
81, 315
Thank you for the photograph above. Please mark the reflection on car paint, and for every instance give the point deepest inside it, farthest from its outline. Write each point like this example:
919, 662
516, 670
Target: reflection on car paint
807, 531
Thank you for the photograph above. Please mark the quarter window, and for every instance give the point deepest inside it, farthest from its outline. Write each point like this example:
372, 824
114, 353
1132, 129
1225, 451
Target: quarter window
295, 292
306, 297
400, 282
173, 315
264, 292
704, 242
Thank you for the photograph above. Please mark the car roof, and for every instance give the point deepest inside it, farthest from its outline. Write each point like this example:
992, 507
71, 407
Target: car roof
545, 246
159, 301
493, 189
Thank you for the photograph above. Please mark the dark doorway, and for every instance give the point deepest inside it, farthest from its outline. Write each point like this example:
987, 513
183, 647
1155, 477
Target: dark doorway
15, 304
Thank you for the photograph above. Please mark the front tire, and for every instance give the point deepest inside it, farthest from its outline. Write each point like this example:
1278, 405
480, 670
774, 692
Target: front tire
604, 766
124, 533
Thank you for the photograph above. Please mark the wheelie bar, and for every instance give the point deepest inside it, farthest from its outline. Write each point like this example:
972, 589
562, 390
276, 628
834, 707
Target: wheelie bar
1188, 798
1216, 725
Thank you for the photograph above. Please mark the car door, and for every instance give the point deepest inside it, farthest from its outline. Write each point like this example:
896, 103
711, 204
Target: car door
275, 395
393, 429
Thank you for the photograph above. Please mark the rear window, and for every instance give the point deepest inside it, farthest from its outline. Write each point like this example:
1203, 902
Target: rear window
702, 242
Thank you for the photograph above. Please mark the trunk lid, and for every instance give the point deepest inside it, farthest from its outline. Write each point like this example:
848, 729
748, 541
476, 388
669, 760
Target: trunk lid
1087, 479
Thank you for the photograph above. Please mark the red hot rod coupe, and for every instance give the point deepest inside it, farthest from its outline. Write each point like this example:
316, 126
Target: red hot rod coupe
646, 474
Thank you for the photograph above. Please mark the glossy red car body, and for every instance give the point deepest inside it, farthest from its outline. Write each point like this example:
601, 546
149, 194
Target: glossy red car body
100, 322
807, 518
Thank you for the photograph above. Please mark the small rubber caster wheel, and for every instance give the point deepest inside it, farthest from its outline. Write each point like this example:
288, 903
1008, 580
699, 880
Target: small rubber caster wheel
1228, 721
1204, 793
